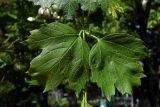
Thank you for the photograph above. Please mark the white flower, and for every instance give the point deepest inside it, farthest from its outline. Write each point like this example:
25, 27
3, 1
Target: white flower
55, 7
41, 11
31, 19
47, 11
144, 2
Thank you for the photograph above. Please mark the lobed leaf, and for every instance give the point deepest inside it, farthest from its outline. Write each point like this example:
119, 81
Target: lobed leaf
69, 7
64, 56
115, 63
89, 5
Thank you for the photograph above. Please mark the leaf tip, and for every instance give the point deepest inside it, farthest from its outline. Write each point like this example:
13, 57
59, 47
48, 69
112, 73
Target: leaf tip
45, 90
109, 98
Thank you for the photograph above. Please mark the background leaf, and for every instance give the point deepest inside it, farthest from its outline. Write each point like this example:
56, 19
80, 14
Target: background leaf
43, 3
70, 7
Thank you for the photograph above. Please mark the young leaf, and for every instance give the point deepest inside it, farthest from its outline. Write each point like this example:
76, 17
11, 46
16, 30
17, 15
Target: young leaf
115, 63
64, 56
69, 7
43, 3
89, 5
111, 6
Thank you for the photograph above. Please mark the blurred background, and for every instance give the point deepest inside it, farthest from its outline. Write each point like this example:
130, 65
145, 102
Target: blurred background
18, 17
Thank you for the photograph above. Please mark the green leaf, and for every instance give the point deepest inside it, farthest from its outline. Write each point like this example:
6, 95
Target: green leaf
32, 82
89, 5
5, 59
114, 62
112, 7
79, 72
64, 56
69, 7
43, 3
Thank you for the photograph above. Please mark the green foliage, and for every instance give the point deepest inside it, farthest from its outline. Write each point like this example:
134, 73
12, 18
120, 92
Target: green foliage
5, 59
83, 50
15, 55
114, 63
66, 56
6, 87
70, 7
88, 5
154, 18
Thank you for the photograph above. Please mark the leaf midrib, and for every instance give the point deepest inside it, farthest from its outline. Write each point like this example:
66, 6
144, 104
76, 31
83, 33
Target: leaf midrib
62, 55
53, 37
122, 46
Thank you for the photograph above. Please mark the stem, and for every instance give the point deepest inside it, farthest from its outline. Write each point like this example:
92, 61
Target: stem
83, 34
125, 100
84, 100
91, 35
80, 33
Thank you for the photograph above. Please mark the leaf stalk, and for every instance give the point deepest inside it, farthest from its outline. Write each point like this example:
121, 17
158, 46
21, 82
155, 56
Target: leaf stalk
91, 35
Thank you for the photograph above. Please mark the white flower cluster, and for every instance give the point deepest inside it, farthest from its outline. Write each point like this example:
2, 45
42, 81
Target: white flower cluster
49, 12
